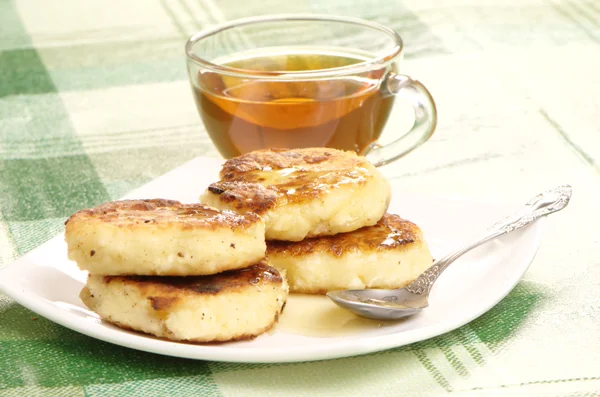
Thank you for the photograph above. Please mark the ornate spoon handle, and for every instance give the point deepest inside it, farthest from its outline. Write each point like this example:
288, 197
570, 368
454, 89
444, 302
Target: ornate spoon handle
541, 205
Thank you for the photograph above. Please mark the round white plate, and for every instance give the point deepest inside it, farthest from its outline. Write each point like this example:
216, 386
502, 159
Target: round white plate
46, 282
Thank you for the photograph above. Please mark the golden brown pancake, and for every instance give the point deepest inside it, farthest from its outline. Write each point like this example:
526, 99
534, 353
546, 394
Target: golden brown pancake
390, 254
233, 305
302, 192
163, 237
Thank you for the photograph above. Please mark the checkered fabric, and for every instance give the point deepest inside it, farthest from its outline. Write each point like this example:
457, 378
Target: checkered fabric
94, 101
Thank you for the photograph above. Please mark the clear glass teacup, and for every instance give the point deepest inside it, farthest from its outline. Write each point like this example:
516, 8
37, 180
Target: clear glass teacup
291, 81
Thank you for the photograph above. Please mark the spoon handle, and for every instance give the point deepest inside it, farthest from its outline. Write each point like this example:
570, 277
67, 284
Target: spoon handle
541, 205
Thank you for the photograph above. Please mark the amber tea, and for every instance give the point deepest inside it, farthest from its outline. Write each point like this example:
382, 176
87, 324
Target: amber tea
242, 114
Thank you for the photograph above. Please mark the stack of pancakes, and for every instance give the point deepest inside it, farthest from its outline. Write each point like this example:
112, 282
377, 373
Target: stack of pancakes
202, 272
178, 271
326, 220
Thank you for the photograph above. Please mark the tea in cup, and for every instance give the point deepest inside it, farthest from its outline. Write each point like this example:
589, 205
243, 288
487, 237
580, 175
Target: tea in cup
294, 81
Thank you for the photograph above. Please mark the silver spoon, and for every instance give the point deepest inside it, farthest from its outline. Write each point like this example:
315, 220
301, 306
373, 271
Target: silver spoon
393, 304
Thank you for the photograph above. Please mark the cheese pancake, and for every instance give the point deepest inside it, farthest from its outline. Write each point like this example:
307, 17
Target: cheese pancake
163, 237
390, 254
233, 305
302, 192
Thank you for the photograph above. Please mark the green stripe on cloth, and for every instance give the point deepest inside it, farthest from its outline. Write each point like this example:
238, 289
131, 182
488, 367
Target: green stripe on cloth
48, 188
432, 369
37, 391
122, 170
355, 376
22, 72
83, 361
176, 23
196, 386
497, 325
467, 339
101, 65
65, 184
60, 362
29, 234
9, 251
451, 357
19, 323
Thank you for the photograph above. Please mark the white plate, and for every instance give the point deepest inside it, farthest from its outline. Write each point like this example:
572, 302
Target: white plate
46, 282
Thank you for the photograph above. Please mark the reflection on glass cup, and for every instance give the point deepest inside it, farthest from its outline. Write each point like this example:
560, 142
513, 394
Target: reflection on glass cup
291, 81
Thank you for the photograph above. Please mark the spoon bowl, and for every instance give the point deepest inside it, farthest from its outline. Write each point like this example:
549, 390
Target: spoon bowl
380, 304
394, 304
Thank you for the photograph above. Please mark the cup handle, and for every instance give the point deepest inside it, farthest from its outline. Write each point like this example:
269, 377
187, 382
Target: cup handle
422, 129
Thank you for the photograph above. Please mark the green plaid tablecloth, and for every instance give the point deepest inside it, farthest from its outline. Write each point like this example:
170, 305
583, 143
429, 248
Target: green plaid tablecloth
94, 101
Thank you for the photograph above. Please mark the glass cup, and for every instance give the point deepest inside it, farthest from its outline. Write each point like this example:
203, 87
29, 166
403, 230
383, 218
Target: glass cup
292, 81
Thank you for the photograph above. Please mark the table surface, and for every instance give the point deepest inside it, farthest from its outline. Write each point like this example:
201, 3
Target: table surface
94, 101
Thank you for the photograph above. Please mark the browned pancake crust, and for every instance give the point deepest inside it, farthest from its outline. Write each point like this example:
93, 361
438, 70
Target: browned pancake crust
246, 182
390, 233
165, 291
157, 212
241, 337
276, 159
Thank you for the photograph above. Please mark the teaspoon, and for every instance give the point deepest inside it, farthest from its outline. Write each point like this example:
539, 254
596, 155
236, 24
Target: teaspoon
393, 304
